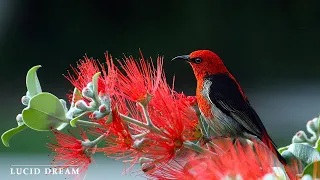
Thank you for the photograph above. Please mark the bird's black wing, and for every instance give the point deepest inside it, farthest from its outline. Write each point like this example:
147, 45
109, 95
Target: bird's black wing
226, 95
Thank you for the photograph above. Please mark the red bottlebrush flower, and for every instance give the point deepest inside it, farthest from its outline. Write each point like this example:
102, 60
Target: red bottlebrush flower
173, 114
240, 160
169, 111
170, 169
159, 150
140, 78
70, 152
119, 141
244, 160
109, 76
84, 72
192, 100
87, 68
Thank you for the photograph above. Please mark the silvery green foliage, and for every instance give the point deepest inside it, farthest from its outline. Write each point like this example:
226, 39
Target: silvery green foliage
19, 119
64, 104
25, 101
100, 104
313, 129
304, 149
302, 152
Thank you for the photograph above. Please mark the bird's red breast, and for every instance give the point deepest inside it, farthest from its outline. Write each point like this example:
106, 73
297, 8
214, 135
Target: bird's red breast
203, 103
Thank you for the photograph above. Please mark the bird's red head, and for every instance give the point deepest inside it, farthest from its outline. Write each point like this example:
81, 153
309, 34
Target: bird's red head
204, 62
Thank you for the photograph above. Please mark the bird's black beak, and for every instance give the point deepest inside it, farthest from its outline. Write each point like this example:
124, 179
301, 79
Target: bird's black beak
183, 57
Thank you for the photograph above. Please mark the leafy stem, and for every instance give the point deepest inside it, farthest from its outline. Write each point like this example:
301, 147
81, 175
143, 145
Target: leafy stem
140, 124
73, 121
197, 148
88, 124
94, 142
149, 124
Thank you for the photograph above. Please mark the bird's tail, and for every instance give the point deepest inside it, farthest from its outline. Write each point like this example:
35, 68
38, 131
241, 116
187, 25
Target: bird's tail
271, 145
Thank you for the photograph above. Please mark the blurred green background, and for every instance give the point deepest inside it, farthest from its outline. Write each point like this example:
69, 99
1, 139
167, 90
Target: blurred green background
271, 47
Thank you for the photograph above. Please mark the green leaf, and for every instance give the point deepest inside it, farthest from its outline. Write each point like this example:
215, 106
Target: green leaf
44, 112
318, 145
76, 93
313, 169
32, 81
74, 120
289, 157
303, 152
6, 136
95, 84
283, 149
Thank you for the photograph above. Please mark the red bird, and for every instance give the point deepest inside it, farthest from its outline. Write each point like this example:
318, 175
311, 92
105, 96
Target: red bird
222, 102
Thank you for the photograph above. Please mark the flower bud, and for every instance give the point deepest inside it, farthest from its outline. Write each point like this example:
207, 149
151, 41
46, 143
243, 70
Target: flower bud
138, 143
90, 86
313, 126
147, 167
102, 108
86, 92
300, 137
147, 164
76, 112
105, 99
81, 105
19, 119
25, 100
97, 115
92, 104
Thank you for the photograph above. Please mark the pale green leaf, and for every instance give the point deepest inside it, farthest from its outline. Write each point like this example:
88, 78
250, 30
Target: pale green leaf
95, 84
6, 136
74, 120
32, 81
283, 149
44, 112
313, 169
289, 157
76, 93
318, 145
303, 152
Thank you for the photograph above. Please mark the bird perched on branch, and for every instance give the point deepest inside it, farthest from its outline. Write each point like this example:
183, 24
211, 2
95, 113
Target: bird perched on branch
223, 103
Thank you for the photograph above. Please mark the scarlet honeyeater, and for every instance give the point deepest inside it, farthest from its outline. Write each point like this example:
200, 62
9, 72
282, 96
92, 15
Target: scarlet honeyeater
222, 102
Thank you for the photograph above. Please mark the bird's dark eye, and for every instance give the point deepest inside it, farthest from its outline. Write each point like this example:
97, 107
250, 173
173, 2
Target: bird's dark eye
198, 60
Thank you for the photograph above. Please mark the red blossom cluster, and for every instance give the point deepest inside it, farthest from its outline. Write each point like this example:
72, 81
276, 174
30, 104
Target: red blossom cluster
240, 160
70, 152
138, 90
150, 123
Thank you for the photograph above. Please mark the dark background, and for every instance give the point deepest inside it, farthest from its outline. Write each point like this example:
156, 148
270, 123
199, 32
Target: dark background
271, 47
